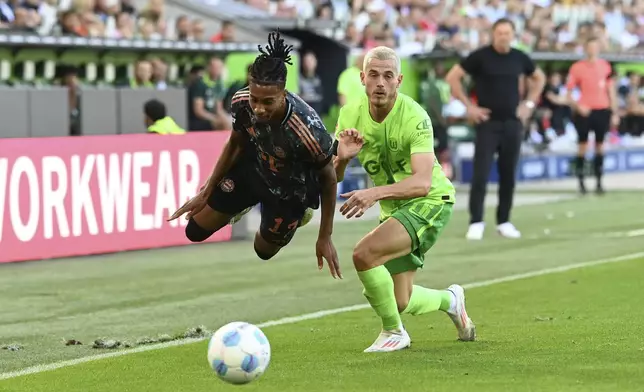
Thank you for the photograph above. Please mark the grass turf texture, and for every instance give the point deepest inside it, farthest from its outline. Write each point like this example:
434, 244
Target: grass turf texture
132, 295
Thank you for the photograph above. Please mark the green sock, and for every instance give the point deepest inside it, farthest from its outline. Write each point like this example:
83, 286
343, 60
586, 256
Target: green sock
424, 300
379, 290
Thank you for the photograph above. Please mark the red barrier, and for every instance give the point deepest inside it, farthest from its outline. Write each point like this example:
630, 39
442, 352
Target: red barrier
98, 194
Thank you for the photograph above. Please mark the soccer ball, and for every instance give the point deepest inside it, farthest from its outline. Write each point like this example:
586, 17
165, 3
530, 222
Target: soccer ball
239, 353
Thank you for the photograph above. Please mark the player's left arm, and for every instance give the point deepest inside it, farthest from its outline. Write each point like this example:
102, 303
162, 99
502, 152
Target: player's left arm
420, 139
322, 152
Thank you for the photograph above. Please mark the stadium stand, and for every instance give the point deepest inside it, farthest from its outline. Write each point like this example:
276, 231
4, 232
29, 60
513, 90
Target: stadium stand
420, 26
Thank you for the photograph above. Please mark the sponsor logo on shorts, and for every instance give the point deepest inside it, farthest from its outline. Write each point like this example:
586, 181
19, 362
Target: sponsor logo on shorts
227, 185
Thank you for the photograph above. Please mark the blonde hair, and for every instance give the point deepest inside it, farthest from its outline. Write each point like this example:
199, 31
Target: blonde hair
381, 53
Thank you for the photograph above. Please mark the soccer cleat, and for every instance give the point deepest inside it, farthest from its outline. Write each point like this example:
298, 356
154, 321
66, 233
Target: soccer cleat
389, 341
508, 230
475, 231
238, 217
306, 218
458, 314
600, 189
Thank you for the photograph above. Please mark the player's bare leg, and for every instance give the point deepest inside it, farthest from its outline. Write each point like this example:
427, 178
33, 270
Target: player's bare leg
386, 242
206, 223
416, 300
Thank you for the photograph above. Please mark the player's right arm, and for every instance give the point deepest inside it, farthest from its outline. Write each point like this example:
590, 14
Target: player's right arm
231, 152
242, 118
229, 155
349, 144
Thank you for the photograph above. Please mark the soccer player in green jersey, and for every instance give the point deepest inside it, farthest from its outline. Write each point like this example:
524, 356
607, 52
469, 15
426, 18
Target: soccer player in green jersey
392, 137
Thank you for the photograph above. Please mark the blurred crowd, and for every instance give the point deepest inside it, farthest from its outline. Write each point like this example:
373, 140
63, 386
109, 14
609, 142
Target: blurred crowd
106, 19
412, 26
422, 25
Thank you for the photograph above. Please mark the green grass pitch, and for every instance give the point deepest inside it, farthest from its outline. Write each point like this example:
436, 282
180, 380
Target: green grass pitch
578, 330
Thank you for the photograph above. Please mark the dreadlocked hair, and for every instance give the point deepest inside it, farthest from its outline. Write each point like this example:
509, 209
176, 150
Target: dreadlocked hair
270, 66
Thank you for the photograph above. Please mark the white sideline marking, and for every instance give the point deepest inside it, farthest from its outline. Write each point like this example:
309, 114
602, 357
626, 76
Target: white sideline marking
307, 316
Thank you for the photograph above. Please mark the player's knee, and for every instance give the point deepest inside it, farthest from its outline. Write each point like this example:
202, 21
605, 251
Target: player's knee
265, 254
266, 248
402, 304
363, 258
196, 233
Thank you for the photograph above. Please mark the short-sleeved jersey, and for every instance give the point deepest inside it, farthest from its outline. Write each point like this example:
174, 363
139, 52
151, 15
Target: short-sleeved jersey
594, 79
388, 147
289, 155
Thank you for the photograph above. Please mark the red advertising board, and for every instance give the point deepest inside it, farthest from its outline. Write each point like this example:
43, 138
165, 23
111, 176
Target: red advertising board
98, 194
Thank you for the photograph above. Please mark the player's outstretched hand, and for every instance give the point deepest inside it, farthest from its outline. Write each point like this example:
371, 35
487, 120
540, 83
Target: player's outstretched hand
324, 249
191, 207
349, 144
358, 202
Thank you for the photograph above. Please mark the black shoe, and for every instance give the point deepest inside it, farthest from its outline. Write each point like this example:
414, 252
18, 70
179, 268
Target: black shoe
600, 190
582, 187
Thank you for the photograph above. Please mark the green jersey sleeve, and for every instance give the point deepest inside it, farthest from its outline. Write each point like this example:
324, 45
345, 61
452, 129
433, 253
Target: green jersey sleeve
344, 120
419, 133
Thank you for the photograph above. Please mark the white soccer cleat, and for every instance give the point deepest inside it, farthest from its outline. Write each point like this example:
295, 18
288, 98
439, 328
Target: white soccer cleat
389, 341
475, 231
458, 314
238, 217
508, 230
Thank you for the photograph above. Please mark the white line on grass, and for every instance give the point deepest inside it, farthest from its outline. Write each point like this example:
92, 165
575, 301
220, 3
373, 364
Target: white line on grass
307, 316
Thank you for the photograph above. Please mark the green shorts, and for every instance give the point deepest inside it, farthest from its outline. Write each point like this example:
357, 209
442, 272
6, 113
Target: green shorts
424, 221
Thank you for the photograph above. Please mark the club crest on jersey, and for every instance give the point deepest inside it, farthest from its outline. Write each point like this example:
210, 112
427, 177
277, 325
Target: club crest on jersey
279, 152
393, 144
227, 185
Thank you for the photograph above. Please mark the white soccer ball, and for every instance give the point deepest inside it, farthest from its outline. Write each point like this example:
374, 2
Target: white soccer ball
239, 353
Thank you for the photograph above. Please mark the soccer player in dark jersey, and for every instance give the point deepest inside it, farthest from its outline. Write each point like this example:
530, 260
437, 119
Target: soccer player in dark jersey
279, 154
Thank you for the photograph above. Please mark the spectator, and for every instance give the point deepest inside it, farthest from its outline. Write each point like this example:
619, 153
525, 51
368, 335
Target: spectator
205, 97
159, 74
350, 86
155, 13
157, 121
311, 90
196, 73
434, 95
198, 30
71, 24
633, 96
554, 105
142, 75
236, 86
182, 28
227, 33
69, 79
124, 26
147, 30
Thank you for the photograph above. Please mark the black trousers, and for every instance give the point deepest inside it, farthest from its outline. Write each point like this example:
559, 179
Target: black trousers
504, 138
